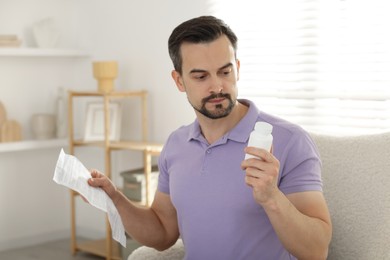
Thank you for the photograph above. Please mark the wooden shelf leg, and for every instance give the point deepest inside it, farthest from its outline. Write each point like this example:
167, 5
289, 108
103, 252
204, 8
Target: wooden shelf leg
147, 172
73, 242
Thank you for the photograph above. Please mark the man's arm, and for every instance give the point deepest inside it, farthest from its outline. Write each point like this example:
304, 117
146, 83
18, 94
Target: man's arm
302, 223
301, 220
154, 226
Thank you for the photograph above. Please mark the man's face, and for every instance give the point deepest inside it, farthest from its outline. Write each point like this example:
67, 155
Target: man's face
209, 77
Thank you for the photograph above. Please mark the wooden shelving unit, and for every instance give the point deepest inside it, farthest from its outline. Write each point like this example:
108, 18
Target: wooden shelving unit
107, 247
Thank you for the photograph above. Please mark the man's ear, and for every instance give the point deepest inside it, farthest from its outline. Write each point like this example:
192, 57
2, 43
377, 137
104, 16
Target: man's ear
238, 68
178, 80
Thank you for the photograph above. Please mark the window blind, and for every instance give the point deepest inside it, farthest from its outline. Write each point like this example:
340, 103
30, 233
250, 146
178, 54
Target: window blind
323, 64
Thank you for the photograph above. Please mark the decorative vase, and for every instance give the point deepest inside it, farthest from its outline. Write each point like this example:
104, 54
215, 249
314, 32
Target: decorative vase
46, 33
105, 73
43, 126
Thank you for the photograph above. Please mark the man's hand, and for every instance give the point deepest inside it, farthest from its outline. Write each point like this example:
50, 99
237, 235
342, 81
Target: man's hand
261, 174
99, 180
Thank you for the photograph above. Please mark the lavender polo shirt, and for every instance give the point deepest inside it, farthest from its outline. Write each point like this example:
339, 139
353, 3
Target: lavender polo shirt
217, 215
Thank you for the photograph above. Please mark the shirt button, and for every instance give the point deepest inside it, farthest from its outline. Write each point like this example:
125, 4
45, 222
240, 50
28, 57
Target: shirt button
208, 151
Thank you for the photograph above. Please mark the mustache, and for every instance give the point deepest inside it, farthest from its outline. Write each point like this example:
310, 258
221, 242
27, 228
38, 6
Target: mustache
217, 95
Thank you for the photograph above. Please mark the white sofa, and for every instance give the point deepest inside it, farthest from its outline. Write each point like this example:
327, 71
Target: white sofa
356, 176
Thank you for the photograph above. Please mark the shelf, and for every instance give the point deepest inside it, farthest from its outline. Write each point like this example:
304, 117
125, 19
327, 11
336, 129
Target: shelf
152, 148
98, 247
32, 145
118, 94
37, 52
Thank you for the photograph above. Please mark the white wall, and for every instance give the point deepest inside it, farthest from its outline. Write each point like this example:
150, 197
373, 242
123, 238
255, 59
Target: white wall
139, 32
135, 33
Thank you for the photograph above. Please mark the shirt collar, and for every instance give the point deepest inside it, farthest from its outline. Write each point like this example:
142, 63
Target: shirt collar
195, 132
241, 132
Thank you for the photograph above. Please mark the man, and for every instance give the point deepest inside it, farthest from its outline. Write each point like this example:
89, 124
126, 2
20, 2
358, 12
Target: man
223, 206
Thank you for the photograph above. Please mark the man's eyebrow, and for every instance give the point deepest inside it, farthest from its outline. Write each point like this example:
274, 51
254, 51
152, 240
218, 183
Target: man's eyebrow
226, 66
202, 71
197, 71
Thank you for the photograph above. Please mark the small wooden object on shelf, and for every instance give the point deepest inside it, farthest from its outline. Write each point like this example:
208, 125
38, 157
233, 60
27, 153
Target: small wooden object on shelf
11, 131
9, 41
107, 247
105, 73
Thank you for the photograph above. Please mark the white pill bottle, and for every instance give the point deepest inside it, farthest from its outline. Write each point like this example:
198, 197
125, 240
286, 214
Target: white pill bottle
260, 137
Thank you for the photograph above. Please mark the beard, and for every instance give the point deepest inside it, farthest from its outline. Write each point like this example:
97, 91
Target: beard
219, 111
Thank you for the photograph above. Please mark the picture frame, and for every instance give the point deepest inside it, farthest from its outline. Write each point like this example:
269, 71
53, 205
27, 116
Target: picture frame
94, 123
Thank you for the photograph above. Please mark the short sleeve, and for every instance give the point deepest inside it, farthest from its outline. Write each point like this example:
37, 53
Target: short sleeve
163, 178
302, 165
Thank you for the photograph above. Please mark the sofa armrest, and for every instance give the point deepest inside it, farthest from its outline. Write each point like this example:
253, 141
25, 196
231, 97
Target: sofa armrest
176, 252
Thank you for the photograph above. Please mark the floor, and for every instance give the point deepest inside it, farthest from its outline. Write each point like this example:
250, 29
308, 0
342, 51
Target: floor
56, 250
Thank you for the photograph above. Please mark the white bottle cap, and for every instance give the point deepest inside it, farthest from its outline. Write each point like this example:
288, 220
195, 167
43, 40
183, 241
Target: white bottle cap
263, 127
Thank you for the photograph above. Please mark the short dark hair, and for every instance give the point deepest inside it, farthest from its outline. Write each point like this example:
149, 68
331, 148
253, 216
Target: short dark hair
202, 29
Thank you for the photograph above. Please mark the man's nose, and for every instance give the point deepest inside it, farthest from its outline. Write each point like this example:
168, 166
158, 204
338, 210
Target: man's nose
216, 85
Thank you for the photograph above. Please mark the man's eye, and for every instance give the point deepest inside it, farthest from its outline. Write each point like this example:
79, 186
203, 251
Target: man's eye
200, 76
226, 72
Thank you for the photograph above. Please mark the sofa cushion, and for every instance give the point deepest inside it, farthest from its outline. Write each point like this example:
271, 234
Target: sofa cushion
356, 176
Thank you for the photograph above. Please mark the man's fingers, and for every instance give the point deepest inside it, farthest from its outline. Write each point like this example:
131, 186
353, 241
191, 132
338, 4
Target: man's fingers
91, 182
95, 173
95, 179
258, 152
